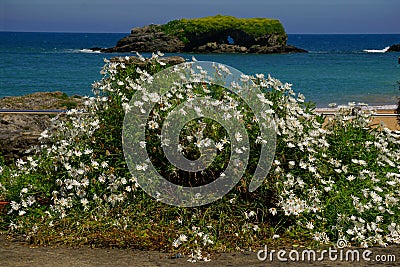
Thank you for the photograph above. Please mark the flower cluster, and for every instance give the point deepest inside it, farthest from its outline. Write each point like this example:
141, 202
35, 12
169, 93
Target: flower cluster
331, 177
200, 240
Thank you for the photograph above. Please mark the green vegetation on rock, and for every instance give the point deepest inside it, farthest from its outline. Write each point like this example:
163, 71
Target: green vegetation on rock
217, 34
255, 27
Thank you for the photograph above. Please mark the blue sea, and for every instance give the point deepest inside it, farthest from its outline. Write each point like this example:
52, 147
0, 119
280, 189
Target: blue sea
338, 68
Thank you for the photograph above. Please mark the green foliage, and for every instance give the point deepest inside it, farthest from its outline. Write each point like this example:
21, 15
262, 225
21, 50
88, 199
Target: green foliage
331, 177
255, 27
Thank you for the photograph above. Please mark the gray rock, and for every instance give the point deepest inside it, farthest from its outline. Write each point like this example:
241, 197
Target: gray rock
146, 39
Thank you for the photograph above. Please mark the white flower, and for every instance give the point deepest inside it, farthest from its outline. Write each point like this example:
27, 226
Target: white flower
177, 242
88, 151
154, 97
45, 134
250, 214
224, 140
95, 164
206, 142
219, 146
153, 125
238, 137
20, 162
292, 164
102, 178
141, 167
351, 178
375, 197
182, 238
273, 211
126, 107
84, 201
15, 205
104, 164
238, 151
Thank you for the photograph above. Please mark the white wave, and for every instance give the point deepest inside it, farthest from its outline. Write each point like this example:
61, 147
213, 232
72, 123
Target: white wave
89, 51
377, 50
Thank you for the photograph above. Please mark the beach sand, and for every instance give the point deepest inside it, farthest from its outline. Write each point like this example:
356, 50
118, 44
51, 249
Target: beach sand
389, 122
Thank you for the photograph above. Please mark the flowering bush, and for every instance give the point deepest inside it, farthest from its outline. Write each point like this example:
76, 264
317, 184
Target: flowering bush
331, 178
398, 106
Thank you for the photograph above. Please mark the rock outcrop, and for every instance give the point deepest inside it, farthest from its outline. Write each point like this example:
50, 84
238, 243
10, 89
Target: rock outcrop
218, 34
394, 48
19, 132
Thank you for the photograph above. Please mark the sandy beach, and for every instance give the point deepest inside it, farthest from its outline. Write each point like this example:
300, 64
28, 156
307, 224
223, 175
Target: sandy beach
388, 120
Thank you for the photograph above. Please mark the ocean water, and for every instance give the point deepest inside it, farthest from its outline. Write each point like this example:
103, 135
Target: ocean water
338, 68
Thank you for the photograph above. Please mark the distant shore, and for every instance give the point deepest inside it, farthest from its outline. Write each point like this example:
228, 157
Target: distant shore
386, 121
389, 122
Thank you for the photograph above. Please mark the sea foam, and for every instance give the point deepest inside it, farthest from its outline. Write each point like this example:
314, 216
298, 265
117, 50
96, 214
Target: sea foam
88, 51
377, 50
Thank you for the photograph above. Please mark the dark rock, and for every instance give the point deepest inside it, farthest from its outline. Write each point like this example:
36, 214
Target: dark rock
257, 49
95, 48
227, 39
394, 48
147, 39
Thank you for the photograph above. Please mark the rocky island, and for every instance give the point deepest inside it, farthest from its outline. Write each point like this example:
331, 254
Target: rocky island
394, 48
217, 34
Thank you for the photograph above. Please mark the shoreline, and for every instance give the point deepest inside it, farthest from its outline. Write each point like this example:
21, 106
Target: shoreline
388, 121
372, 107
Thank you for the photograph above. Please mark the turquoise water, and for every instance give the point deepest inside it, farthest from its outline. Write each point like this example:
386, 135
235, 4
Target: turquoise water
337, 68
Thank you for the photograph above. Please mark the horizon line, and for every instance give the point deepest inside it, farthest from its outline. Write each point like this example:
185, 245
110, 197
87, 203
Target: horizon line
97, 32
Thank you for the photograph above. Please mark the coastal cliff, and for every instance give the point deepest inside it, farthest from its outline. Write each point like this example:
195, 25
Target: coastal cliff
217, 34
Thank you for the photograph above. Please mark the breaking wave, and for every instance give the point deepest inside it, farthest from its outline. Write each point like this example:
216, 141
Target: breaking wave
377, 50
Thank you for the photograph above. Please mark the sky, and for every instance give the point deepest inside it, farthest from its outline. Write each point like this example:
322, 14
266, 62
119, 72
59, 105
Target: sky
297, 16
